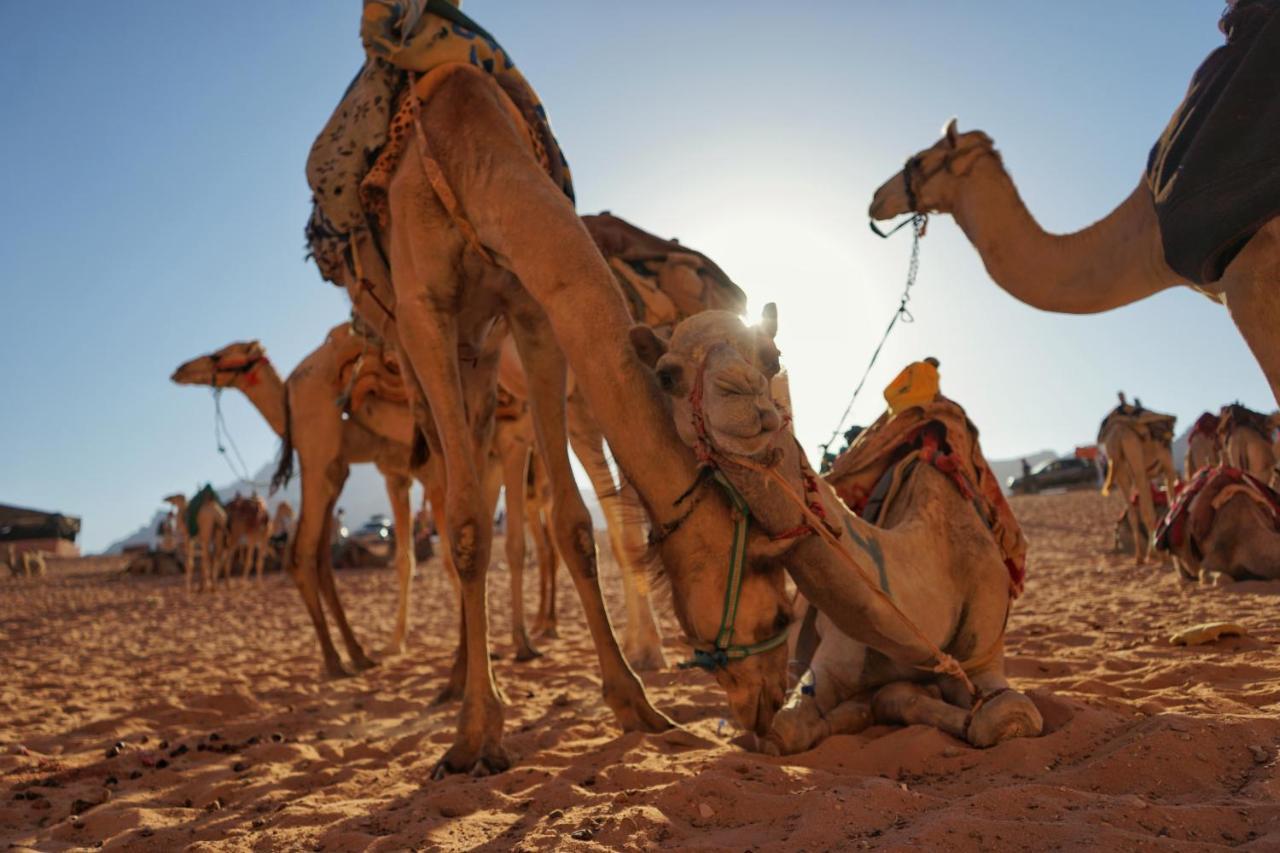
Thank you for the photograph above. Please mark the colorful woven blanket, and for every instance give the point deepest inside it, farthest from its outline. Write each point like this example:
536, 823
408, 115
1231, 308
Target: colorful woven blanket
365, 367
941, 434
1193, 512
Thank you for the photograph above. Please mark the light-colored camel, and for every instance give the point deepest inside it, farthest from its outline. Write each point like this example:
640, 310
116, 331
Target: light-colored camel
29, 564
1202, 446
936, 560
248, 534
305, 413
1115, 261
1246, 438
282, 522
1139, 448
208, 544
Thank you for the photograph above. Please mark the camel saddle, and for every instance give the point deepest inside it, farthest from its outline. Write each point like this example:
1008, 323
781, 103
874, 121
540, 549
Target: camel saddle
193, 507
1148, 424
663, 281
366, 366
402, 39
868, 475
1236, 417
1214, 173
1193, 512
1206, 425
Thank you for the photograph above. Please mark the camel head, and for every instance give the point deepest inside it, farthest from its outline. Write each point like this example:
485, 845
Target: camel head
931, 180
228, 367
717, 372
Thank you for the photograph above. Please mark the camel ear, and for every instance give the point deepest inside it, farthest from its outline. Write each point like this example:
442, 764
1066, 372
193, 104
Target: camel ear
647, 345
769, 320
951, 133
671, 376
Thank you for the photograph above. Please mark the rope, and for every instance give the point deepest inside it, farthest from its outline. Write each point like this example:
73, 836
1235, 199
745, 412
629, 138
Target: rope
221, 431
918, 222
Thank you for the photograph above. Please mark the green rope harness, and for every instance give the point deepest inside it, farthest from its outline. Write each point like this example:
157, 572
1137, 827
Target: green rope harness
724, 651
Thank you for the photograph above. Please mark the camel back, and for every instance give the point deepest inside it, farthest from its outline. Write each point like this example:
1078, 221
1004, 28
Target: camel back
193, 508
663, 281
1149, 425
402, 37
1193, 513
366, 366
1236, 417
1214, 174
868, 474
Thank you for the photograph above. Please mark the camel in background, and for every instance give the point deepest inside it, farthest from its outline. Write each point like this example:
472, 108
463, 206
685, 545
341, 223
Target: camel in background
282, 523
304, 413
208, 541
1225, 527
717, 372
1139, 448
1246, 440
1203, 448
1114, 262
248, 534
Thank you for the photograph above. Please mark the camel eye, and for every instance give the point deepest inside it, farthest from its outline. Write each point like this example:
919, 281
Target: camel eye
669, 377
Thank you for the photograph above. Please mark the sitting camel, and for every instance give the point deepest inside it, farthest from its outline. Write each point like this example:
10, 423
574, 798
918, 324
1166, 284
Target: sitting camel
1225, 526
1139, 447
248, 532
302, 410
202, 532
1203, 448
928, 538
1246, 440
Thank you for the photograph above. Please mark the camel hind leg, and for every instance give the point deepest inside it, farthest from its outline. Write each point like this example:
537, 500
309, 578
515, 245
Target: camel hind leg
398, 486
514, 462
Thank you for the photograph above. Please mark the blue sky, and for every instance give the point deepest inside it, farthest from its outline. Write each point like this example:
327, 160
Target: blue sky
153, 166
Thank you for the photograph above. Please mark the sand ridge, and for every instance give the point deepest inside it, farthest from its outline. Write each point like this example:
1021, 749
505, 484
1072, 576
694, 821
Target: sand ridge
230, 740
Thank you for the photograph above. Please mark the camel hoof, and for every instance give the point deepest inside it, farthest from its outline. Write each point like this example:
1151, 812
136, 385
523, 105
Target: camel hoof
450, 693
638, 714
648, 659
527, 653
460, 759
363, 663
394, 650
1009, 715
546, 631
337, 669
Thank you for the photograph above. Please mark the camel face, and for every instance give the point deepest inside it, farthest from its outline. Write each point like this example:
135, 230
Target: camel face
717, 369
221, 369
931, 179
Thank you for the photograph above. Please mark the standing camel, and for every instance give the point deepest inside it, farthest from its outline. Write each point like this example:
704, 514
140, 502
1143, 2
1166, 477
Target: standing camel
1246, 440
303, 412
203, 531
1139, 447
1116, 261
248, 532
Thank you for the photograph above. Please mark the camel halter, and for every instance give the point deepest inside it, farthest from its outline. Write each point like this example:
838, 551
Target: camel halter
815, 523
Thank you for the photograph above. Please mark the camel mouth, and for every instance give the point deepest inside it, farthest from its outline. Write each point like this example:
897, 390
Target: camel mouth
889, 200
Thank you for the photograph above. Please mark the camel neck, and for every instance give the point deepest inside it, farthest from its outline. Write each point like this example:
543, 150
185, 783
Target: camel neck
265, 389
1113, 262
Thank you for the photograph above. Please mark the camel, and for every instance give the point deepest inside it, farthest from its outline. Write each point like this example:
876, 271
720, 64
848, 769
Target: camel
1138, 444
1225, 527
282, 522
1246, 439
302, 410
29, 564
717, 372
248, 532
1203, 449
1114, 262
203, 536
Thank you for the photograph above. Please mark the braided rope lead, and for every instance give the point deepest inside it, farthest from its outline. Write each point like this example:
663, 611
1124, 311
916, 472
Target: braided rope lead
918, 223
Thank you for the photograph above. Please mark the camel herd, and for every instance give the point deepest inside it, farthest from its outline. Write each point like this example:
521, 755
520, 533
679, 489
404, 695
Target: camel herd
494, 329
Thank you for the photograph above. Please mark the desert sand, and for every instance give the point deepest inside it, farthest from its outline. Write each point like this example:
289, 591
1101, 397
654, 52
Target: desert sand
138, 717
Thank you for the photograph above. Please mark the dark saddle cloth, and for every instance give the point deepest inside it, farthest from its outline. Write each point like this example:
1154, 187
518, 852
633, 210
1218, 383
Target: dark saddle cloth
1215, 171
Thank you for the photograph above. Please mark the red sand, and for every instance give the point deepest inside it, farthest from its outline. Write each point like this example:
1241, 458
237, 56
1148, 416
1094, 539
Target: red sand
1147, 746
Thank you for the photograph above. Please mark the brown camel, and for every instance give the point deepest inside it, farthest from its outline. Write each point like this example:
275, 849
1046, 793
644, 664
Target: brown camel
1139, 448
208, 542
1246, 440
930, 538
1203, 448
1225, 527
248, 532
1115, 261
304, 413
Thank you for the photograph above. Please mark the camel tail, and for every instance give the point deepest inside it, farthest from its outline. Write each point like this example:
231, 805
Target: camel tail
284, 470
1111, 471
